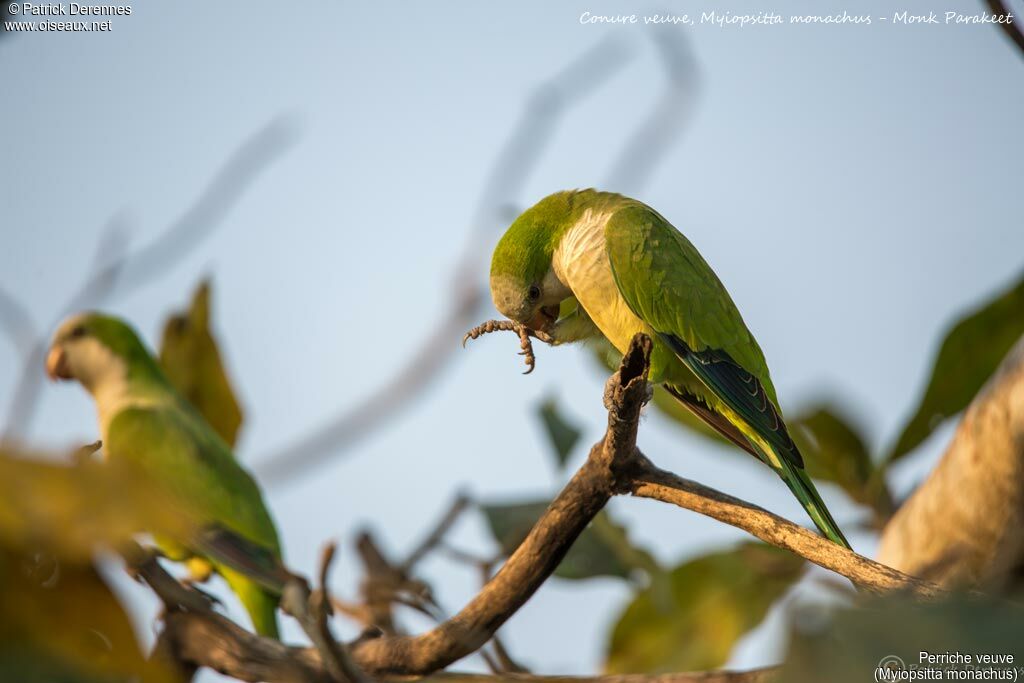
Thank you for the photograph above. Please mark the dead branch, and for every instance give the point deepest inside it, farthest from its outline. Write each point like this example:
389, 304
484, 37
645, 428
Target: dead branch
312, 609
386, 584
614, 466
651, 482
235, 652
752, 676
434, 539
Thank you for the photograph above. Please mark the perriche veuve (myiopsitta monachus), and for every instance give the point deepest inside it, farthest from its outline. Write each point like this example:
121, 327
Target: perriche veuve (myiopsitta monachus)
629, 270
143, 421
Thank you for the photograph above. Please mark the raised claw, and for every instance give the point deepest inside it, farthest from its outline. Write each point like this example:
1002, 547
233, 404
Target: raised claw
526, 346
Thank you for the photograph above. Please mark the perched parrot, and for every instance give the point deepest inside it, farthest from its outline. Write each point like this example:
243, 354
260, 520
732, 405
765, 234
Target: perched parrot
629, 270
143, 420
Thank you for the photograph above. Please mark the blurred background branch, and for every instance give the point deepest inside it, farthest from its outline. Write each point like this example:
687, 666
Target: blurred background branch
1014, 30
118, 270
519, 156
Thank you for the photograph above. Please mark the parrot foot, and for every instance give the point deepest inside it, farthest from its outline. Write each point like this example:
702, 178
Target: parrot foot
523, 331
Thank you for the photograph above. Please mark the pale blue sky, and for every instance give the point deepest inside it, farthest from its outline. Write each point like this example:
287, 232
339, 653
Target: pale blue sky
853, 186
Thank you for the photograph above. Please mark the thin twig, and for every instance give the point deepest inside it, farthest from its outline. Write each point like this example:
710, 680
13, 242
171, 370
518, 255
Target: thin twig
311, 609
614, 466
650, 482
144, 565
436, 536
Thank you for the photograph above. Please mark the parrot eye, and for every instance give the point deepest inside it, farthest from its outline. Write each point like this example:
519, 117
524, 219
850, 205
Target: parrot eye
77, 332
533, 293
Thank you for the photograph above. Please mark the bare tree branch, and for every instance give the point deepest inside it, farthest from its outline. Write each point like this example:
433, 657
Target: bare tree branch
436, 536
614, 466
752, 676
233, 651
311, 609
651, 482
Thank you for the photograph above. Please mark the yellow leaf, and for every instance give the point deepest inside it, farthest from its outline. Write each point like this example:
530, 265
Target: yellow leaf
192, 362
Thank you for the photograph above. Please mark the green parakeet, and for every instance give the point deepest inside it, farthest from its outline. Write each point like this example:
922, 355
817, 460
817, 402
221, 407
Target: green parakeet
629, 270
143, 420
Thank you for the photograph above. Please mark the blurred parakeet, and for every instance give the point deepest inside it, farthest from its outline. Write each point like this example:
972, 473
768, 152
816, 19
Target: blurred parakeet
630, 271
145, 421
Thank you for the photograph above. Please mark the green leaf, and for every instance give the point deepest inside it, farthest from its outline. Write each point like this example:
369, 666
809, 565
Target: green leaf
834, 451
970, 353
192, 362
562, 434
603, 549
710, 603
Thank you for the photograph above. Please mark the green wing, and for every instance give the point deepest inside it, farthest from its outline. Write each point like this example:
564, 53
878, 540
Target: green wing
669, 285
175, 448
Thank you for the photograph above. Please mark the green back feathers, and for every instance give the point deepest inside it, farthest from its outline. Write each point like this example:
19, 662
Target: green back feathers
669, 285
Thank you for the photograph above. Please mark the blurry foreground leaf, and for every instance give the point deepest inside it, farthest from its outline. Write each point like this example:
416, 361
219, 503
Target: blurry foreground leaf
712, 601
834, 451
849, 645
970, 353
58, 619
603, 549
70, 510
60, 622
191, 361
562, 434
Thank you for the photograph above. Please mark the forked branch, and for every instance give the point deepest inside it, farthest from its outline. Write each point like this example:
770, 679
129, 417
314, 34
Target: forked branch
614, 466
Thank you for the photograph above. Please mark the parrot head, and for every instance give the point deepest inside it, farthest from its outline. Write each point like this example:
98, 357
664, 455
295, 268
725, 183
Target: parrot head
524, 285
94, 349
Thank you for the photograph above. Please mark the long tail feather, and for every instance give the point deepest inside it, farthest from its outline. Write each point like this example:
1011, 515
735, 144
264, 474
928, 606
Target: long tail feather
803, 488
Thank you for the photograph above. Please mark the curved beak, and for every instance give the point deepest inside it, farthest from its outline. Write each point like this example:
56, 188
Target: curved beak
57, 363
544, 319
